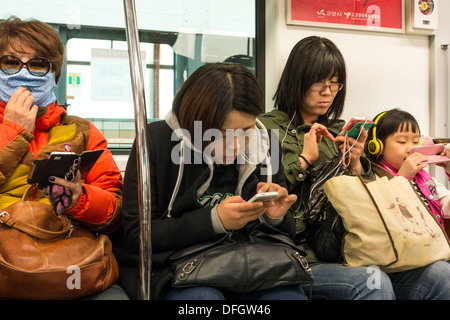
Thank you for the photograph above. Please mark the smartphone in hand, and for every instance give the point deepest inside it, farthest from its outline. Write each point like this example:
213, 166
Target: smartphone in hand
264, 196
63, 165
352, 127
433, 152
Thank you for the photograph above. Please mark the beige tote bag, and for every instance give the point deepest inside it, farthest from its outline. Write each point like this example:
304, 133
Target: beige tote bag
387, 224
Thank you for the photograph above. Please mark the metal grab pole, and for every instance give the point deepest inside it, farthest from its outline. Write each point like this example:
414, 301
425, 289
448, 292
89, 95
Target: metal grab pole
140, 116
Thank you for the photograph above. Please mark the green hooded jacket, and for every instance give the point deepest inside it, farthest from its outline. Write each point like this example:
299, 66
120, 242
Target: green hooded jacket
291, 140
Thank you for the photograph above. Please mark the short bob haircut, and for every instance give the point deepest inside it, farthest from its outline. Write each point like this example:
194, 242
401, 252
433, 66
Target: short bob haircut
312, 59
392, 121
213, 91
19, 36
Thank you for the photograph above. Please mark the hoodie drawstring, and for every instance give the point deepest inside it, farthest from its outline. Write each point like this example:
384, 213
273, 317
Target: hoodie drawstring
178, 183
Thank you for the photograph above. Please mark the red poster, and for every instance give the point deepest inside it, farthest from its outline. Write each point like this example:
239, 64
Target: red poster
371, 14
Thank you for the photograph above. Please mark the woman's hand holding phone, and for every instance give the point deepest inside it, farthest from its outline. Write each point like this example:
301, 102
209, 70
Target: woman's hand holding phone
64, 194
355, 149
281, 204
234, 212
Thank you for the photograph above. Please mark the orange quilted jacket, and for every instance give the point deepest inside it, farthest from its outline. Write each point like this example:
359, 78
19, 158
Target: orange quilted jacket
101, 202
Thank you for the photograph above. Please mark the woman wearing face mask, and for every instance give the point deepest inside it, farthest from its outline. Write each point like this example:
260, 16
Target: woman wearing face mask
33, 125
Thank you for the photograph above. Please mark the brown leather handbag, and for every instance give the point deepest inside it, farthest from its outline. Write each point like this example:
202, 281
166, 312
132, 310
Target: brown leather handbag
45, 256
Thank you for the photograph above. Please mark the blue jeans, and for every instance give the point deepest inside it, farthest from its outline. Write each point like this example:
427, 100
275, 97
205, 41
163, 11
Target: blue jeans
293, 292
337, 282
427, 283
115, 292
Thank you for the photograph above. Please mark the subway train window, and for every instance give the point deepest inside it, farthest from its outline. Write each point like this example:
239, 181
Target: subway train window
98, 75
176, 37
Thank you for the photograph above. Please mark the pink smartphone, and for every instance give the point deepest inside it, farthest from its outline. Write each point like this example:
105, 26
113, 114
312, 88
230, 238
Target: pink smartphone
433, 152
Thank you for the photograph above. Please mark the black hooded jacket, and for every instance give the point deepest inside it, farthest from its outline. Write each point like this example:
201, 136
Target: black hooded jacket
178, 220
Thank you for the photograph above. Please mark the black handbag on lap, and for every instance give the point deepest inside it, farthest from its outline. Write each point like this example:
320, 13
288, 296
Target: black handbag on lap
242, 263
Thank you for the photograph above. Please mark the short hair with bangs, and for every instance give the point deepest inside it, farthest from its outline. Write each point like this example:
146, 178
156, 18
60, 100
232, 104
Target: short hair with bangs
312, 59
213, 91
17, 35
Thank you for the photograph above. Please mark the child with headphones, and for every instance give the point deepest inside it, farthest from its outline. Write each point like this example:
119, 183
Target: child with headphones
389, 144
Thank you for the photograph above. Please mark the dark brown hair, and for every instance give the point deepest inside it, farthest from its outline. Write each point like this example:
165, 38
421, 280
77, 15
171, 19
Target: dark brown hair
312, 59
213, 91
19, 35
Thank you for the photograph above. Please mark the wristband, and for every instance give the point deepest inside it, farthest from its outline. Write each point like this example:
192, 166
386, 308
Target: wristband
307, 162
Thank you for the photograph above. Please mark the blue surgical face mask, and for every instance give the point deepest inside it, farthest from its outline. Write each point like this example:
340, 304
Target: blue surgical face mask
41, 87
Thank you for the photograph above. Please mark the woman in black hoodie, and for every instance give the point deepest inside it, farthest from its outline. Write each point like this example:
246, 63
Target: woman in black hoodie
207, 159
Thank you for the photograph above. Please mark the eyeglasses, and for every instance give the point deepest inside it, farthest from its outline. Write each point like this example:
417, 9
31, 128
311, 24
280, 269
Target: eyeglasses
37, 66
334, 87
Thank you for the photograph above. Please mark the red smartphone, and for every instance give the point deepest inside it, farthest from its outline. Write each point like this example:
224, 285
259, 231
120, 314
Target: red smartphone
352, 127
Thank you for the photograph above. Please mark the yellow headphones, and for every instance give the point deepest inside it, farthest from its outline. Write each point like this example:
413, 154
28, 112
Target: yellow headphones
375, 146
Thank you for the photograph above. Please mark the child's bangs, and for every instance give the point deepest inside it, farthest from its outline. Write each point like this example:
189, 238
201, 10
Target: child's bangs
409, 125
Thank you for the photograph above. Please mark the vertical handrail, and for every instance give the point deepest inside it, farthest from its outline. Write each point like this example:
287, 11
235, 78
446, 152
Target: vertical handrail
141, 148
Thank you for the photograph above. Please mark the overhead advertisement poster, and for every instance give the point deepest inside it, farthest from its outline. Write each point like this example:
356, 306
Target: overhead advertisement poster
371, 15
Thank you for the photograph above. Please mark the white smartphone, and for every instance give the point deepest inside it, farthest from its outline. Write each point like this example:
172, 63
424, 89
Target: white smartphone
264, 196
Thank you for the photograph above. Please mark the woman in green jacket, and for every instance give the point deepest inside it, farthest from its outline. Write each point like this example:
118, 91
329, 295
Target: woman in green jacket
309, 101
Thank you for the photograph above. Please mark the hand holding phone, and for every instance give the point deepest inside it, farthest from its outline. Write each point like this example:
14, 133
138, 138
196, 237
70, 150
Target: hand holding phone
433, 152
264, 196
352, 128
62, 165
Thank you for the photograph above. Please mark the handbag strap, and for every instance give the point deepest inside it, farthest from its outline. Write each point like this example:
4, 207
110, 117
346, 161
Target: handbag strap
28, 192
379, 171
8, 220
374, 202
